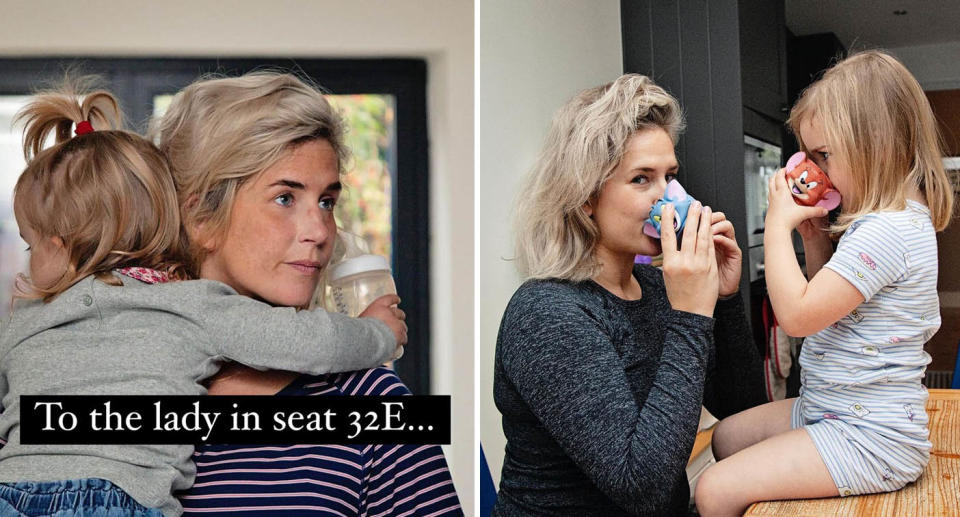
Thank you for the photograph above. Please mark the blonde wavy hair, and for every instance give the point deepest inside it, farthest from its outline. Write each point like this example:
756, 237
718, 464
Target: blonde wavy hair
220, 132
555, 238
107, 195
876, 117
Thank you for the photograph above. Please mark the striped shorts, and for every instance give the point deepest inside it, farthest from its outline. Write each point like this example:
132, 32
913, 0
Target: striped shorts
862, 456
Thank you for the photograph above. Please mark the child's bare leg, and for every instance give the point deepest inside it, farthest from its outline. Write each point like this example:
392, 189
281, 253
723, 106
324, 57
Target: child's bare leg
786, 466
737, 432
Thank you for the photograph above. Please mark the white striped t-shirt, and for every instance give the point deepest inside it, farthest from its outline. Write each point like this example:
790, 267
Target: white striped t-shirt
891, 258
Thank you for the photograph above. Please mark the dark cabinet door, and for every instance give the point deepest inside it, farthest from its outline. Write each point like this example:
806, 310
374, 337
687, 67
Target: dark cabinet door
763, 56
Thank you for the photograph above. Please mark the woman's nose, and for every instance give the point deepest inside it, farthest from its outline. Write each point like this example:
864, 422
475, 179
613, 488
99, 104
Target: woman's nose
315, 226
661, 184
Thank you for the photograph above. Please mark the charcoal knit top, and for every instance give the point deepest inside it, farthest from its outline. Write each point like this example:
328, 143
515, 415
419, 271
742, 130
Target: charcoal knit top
601, 396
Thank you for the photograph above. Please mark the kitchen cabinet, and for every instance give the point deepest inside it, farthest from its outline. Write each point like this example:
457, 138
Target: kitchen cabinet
763, 57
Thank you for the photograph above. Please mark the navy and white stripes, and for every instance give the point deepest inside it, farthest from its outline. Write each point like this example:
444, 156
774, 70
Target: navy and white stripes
325, 480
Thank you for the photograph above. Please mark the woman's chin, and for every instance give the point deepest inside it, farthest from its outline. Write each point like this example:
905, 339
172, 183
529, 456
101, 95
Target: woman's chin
293, 288
295, 297
650, 246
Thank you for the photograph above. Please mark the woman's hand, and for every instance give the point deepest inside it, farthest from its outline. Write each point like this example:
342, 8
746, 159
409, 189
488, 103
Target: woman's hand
690, 273
729, 256
783, 213
385, 309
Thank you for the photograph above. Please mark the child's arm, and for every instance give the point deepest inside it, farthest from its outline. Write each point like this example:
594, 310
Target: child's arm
282, 338
817, 247
802, 307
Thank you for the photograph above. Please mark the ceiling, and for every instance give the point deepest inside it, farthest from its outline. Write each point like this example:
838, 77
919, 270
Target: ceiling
871, 23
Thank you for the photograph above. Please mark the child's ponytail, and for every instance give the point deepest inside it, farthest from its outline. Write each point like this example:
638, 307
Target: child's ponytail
106, 194
58, 111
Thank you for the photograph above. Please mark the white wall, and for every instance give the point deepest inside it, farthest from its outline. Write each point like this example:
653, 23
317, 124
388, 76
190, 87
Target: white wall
533, 56
439, 30
936, 67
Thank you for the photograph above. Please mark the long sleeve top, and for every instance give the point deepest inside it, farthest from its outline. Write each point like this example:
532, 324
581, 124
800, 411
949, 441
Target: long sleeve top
163, 339
601, 396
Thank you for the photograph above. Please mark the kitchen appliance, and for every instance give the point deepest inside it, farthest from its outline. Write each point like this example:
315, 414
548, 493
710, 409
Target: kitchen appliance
761, 160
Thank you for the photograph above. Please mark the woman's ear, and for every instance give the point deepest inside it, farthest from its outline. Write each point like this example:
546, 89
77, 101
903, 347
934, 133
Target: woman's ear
197, 233
588, 208
197, 229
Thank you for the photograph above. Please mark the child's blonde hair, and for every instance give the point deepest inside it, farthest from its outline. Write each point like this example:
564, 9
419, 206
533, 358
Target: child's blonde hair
107, 194
555, 238
876, 117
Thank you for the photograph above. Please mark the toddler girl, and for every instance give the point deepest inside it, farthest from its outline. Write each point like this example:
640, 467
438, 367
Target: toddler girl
102, 314
859, 425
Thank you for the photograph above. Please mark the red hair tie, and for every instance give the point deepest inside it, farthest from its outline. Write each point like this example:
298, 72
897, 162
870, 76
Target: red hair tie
83, 128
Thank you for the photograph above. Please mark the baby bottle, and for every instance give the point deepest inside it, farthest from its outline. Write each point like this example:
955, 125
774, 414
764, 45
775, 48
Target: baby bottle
356, 282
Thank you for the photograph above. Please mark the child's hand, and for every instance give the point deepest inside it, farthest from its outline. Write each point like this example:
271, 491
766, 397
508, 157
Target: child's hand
814, 229
385, 309
783, 213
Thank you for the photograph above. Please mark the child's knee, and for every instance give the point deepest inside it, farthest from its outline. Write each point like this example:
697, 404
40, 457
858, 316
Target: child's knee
709, 492
720, 440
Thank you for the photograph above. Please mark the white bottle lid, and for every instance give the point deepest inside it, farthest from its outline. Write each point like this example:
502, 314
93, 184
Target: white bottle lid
357, 265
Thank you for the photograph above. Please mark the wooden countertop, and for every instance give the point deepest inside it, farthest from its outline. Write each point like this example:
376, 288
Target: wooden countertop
702, 442
937, 492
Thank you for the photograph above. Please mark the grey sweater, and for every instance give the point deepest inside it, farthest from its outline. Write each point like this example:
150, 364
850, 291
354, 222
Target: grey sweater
164, 339
601, 396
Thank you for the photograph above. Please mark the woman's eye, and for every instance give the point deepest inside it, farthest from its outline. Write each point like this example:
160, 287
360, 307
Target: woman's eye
825, 155
284, 199
28, 248
328, 203
670, 177
640, 179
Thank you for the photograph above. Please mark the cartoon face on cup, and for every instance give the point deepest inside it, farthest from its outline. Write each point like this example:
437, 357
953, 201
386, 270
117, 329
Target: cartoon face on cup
809, 185
675, 194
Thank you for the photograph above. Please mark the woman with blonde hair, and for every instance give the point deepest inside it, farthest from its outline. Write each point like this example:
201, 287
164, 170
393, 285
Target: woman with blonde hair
602, 365
257, 161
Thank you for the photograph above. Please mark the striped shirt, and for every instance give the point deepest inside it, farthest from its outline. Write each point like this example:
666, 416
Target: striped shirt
868, 365
325, 480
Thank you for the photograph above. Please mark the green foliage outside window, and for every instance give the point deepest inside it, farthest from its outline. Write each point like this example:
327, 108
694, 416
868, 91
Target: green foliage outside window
364, 206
